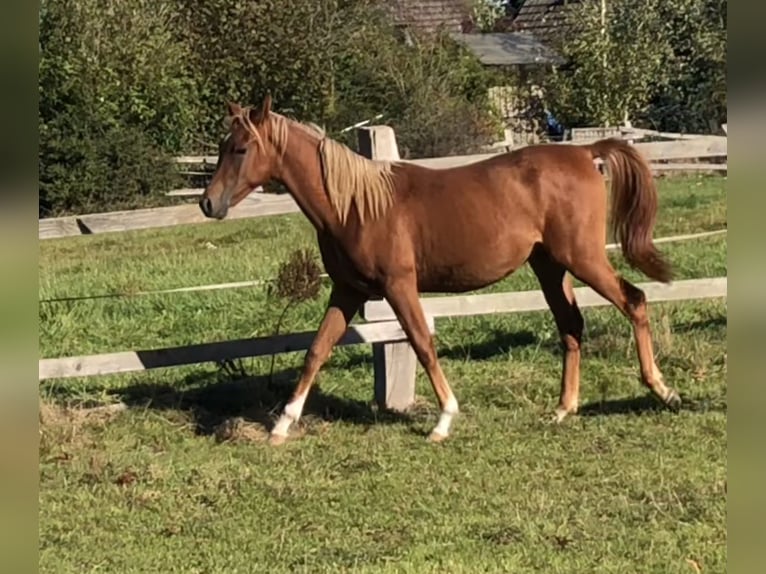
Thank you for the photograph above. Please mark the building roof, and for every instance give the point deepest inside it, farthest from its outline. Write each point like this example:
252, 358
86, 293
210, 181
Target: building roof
543, 19
428, 15
508, 49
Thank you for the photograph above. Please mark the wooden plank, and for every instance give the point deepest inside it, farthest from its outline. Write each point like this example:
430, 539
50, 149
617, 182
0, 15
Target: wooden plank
53, 227
593, 133
254, 206
690, 166
522, 301
197, 191
378, 143
258, 282
643, 132
701, 147
186, 192
395, 366
128, 361
197, 159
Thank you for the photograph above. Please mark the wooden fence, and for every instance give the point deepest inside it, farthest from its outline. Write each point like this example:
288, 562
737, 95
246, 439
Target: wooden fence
394, 360
664, 156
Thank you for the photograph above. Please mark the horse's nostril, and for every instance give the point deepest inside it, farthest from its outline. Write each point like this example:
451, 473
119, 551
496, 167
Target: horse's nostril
206, 206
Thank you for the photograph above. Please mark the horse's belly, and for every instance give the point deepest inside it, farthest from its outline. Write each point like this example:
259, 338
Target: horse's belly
459, 277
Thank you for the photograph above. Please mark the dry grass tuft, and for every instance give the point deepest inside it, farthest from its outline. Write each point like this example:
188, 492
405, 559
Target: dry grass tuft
299, 278
61, 425
238, 430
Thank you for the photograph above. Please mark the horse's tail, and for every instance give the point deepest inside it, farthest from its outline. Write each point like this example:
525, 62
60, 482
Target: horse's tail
634, 206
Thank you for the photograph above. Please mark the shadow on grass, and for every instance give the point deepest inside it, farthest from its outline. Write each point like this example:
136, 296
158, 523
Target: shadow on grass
702, 325
212, 399
648, 404
500, 342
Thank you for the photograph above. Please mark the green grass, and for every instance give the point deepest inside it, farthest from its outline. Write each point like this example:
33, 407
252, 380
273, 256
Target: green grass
623, 487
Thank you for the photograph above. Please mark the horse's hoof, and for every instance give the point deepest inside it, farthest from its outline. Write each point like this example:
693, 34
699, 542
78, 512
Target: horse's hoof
436, 437
277, 439
672, 400
560, 414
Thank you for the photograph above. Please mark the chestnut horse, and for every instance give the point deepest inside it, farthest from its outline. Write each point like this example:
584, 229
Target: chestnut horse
395, 229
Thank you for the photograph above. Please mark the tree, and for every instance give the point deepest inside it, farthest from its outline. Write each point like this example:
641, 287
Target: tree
615, 52
694, 97
662, 63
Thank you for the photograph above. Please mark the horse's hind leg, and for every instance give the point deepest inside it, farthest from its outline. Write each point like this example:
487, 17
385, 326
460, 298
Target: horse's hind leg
557, 289
601, 276
402, 295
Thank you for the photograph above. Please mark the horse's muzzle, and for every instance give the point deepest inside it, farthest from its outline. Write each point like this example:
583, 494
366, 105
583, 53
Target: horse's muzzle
206, 205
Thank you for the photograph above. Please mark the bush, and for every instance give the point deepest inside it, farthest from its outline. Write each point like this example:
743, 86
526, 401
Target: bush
116, 98
86, 172
435, 96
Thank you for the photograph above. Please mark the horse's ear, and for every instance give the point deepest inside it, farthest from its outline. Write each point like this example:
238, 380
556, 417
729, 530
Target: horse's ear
257, 116
266, 105
233, 108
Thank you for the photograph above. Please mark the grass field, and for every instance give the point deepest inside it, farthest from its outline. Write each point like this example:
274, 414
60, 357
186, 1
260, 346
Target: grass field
182, 481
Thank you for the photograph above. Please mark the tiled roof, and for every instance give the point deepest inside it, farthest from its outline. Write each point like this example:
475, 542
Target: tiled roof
428, 15
542, 19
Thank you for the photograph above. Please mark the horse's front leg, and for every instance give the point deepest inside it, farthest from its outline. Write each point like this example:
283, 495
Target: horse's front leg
343, 304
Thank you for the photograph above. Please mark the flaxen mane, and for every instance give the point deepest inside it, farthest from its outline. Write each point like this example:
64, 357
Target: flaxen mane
349, 178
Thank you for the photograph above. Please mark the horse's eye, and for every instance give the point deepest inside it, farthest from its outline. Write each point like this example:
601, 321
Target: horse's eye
240, 151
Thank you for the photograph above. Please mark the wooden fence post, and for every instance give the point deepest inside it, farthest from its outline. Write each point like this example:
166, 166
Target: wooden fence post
395, 364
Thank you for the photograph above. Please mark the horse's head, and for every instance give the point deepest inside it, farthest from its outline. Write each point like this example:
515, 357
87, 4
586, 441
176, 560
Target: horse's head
247, 157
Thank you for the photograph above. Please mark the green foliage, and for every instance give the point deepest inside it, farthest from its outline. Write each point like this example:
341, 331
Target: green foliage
290, 48
436, 97
615, 62
125, 83
84, 171
694, 95
658, 62
335, 63
115, 97
485, 13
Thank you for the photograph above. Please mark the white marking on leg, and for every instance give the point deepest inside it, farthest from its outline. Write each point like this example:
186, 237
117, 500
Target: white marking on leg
291, 413
445, 419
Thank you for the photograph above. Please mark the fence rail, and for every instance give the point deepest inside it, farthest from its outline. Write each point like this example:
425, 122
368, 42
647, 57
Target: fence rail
659, 153
259, 282
131, 361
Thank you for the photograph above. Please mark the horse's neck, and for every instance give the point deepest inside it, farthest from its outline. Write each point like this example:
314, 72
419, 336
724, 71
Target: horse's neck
301, 173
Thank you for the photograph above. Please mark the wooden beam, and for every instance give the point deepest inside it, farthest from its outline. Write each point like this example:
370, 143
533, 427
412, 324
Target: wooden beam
701, 147
255, 206
689, 166
698, 147
128, 361
197, 191
53, 227
521, 301
197, 159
